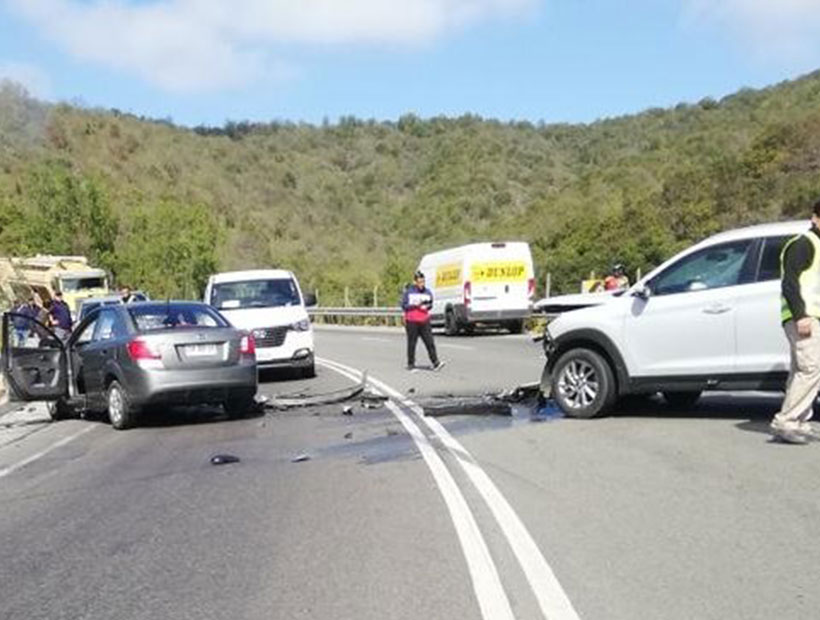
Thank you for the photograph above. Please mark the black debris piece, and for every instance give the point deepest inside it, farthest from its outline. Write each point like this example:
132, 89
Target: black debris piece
348, 435
224, 459
347, 410
328, 398
466, 405
300, 458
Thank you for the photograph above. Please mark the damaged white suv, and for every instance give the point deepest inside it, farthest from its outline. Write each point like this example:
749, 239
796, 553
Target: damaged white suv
707, 319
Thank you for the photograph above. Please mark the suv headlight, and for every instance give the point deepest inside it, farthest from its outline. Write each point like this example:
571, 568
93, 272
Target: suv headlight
301, 326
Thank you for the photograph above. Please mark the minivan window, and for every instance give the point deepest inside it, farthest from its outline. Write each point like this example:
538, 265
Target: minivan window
713, 267
255, 294
770, 258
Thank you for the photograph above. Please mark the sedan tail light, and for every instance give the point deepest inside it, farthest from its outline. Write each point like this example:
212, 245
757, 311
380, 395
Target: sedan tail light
140, 350
247, 346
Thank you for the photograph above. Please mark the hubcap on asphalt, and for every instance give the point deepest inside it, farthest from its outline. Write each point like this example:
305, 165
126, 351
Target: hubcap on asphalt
578, 384
115, 406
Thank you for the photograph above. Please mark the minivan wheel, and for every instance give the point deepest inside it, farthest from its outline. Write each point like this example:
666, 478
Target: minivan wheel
516, 326
681, 400
120, 410
450, 323
583, 384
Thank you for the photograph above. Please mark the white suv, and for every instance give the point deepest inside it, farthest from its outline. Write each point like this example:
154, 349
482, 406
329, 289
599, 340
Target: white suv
707, 319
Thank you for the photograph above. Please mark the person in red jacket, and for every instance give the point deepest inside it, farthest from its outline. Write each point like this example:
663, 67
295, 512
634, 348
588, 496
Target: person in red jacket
416, 303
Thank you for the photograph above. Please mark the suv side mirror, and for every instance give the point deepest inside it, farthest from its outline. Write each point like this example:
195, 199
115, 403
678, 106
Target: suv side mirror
310, 300
642, 291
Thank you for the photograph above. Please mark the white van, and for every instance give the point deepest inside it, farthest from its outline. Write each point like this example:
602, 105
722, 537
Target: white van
269, 304
488, 283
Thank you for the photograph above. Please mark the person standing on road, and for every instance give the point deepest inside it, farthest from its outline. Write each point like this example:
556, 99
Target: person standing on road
416, 303
800, 315
61, 316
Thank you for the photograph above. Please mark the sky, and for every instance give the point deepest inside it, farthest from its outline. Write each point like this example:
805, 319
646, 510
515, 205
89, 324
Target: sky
209, 61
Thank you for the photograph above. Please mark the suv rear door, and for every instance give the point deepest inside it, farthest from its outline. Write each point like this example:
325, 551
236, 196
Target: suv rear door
762, 348
687, 326
34, 359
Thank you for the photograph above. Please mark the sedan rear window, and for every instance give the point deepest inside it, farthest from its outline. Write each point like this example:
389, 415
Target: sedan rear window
152, 317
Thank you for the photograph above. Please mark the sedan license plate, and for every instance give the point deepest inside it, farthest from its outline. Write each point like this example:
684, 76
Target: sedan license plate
200, 350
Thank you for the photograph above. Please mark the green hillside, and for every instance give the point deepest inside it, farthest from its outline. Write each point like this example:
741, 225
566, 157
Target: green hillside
355, 204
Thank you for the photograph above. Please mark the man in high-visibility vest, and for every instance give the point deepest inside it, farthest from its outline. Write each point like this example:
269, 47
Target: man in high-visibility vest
800, 315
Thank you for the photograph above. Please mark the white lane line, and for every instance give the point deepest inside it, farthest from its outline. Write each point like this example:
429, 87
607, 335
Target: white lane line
372, 339
492, 599
12, 468
460, 347
551, 597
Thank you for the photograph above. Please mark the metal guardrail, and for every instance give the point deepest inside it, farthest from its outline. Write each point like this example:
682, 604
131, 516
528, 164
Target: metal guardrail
356, 312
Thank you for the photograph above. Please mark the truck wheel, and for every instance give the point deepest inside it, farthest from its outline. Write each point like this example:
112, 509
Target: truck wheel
583, 384
681, 400
120, 410
450, 323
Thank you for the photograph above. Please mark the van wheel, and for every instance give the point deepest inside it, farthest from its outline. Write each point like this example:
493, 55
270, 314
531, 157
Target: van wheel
681, 400
120, 410
583, 384
516, 327
450, 323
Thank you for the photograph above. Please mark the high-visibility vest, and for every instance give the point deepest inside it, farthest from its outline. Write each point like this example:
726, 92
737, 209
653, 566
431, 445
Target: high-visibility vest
809, 280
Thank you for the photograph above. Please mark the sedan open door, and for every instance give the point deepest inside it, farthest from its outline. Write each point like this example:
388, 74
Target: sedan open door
34, 359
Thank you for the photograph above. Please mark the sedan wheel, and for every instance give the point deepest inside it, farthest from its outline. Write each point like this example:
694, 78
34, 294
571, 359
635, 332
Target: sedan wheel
120, 410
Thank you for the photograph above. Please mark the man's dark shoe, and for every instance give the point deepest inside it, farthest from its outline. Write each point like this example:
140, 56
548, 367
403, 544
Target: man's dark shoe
410, 367
439, 365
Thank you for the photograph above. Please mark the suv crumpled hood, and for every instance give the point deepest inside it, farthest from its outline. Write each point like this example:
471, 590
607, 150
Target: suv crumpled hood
253, 318
566, 303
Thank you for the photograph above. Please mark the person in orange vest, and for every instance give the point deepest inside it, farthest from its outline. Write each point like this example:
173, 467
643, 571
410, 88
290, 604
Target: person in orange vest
617, 280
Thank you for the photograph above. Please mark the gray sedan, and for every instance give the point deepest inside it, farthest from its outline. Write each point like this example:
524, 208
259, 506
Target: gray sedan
124, 358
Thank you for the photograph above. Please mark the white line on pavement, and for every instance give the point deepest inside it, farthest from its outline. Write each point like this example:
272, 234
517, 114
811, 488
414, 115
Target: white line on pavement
552, 599
492, 599
371, 339
12, 468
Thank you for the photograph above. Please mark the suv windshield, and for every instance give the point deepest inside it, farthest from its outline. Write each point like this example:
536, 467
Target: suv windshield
255, 294
151, 317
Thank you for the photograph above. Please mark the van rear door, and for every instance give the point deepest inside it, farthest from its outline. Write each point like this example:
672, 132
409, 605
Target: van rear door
501, 277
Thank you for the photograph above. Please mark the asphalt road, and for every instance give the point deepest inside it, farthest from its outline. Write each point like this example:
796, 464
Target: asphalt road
645, 514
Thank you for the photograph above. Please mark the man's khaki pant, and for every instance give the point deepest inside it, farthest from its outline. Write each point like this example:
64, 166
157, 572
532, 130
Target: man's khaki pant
804, 378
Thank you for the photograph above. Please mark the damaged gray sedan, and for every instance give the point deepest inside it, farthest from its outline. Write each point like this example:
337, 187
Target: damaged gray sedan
122, 359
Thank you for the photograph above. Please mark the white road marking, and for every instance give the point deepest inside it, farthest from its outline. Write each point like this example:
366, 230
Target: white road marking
372, 339
492, 599
551, 597
12, 468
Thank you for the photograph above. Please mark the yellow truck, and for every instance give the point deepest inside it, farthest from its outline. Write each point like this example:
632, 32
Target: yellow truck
44, 275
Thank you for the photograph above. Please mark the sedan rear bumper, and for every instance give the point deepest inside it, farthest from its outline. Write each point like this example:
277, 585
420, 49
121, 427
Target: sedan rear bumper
192, 387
